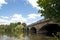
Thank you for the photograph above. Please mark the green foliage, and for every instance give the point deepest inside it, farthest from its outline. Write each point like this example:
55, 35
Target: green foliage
51, 9
24, 24
12, 29
18, 23
19, 27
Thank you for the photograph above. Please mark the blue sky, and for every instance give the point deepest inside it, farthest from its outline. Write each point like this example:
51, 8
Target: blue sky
12, 11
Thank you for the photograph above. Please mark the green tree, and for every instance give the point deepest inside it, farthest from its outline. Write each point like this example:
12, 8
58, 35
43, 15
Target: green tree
14, 29
24, 24
51, 9
18, 23
19, 27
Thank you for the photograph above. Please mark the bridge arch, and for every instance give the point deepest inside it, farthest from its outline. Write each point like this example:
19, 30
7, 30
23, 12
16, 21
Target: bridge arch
33, 30
49, 29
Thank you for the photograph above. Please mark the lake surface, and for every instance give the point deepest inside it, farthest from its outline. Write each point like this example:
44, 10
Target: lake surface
27, 36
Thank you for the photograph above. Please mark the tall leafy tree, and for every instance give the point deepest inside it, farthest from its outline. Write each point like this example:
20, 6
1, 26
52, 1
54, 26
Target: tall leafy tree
24, 24
18, 23
51, 9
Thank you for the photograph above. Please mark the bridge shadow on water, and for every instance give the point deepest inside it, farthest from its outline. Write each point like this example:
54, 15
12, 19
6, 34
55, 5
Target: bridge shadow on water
48, 30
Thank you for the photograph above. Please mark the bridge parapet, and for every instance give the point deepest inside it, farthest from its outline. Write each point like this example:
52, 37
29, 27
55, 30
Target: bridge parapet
39, 24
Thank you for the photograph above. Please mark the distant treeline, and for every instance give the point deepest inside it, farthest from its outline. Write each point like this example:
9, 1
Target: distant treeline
12, 29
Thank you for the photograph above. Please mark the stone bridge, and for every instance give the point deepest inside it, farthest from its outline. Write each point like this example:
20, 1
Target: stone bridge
37, 26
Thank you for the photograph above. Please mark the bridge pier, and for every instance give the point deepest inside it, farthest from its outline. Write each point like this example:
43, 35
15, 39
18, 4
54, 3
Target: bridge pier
37, 31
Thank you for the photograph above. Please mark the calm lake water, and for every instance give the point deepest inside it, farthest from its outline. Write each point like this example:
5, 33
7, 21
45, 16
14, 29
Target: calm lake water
27, 36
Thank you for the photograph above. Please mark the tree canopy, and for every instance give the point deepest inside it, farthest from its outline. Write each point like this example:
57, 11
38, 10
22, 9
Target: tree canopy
13, 29
51, 9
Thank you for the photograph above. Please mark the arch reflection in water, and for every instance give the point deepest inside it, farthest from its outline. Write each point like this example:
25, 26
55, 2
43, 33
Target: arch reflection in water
27, 36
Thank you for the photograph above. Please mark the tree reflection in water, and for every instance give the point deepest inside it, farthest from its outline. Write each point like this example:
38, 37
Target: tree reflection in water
5, 37
28, 36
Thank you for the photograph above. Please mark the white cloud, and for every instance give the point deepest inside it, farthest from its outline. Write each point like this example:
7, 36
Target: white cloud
4, 21
2, 2
33, 16
4, 17
34, 4
18, 18
12, 19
